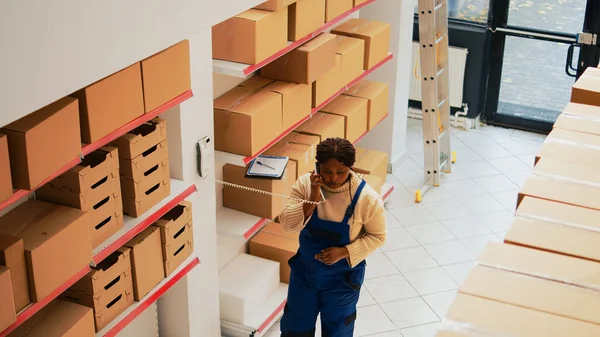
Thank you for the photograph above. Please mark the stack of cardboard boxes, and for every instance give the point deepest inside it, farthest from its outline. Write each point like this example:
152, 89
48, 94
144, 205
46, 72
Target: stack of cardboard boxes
176, 236
144, 166
543, 280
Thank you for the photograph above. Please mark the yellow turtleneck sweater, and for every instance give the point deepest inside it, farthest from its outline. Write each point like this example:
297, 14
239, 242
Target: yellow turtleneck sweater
367, 227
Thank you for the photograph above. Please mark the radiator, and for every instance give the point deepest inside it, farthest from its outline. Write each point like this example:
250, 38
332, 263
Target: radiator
458, 60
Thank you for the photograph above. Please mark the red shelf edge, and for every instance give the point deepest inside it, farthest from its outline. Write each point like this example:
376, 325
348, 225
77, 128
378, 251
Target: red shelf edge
388, 193
272, 316
37, 306
89, 148
143, 225
254, 229
144, 304
254, 67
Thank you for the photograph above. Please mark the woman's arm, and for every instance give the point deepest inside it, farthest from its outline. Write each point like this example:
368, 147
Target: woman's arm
374, 232
293, 216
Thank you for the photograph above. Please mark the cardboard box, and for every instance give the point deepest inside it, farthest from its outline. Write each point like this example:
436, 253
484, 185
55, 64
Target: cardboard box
329, 84
58, 319
32, 157
246, 120
533, 292
274, 5
580, 118
178, 250
304, 17
7, 305
372, 162
306, 63
556, 227
91, 172
298, 153
277, 229
151, 197
355, 113
105, 274
304, 139
352, 51
57, 243
147, 261
12, 256
375, 182
275, 248
501, 319
569, 152
136, 188
323, 125
250, 37
295, 101
359, 2
6, 188
264, 206
256, 82
174, 220
335, 8
137, 168
563, 182
166, 75
375, 34
110, 103
586, 89
139, 140
377, 95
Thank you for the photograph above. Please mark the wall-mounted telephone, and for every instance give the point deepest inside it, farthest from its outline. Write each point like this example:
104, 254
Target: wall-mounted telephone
203, 153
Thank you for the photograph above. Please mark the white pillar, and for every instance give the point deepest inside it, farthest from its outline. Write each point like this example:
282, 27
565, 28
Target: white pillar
390, 135
191, 308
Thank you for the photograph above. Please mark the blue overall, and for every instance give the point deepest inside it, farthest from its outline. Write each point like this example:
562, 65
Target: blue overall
315, 287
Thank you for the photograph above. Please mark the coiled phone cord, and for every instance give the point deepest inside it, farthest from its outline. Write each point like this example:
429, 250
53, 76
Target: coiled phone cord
225, 183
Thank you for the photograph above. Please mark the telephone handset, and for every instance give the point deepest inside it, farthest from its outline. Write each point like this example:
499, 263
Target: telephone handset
318, 171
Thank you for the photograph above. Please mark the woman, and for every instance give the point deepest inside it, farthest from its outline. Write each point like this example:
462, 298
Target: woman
336, 236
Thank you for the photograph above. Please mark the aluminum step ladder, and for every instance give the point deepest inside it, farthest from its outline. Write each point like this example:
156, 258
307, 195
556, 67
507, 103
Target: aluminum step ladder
435, 82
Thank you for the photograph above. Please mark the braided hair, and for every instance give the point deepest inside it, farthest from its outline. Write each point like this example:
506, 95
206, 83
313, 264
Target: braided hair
337, 148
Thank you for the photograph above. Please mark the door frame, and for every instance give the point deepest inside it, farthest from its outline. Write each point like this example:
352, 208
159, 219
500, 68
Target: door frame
498, 24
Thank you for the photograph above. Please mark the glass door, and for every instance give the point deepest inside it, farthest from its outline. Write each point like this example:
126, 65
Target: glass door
538, 48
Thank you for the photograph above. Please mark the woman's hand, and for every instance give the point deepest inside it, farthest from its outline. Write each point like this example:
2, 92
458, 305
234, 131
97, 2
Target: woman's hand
332, 255
315, 187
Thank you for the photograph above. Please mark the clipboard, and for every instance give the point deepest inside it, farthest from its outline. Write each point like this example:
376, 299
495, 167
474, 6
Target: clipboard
267, 167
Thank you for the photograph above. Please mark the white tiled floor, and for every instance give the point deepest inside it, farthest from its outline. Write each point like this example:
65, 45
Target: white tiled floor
431, 246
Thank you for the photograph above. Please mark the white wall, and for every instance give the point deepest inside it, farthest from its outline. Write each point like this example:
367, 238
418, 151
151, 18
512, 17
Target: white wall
390, 135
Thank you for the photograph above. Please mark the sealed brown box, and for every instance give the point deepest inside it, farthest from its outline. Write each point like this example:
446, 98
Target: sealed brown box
304, 17
299, 153
275, 248
174, 220
306, 63
352, 51
12, 256
147, 261
556, 227
175, 252
355, 113
377, 94
151, 197
372, 162
569, 152
586, 89
323, 125
105, 273
295, 100
574, 138
58, 319
305, 139
274, 5
375, 34
335, 8
501, 319
166, 75
277, 229
564, 182
534, 292
110, 103
57, 241
90, 173
7, 305
374, 181
141, 139
6, 188
580, 118
247, 120
328, 85
256, 82
32, 157
264, 206
250, 37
